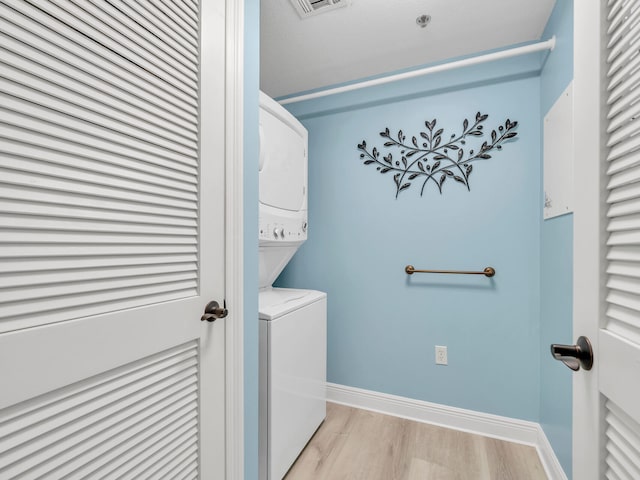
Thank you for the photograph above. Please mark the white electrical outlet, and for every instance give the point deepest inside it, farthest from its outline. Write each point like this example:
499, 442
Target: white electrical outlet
441, 355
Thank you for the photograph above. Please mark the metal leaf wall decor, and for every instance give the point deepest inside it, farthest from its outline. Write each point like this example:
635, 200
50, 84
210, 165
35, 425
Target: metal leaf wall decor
430, 158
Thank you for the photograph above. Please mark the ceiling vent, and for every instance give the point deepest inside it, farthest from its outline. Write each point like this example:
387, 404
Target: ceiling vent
308, 8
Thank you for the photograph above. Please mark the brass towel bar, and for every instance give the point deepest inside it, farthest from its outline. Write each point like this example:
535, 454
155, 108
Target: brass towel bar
488, 272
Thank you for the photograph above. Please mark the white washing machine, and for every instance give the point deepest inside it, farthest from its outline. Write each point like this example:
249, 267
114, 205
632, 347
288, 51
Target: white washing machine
293, 332
293, 374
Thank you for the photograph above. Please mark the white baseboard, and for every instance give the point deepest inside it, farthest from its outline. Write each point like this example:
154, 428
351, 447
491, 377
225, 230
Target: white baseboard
548, 457
495, 426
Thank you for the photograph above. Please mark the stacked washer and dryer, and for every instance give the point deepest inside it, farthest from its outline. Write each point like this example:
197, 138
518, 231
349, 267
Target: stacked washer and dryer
293, 322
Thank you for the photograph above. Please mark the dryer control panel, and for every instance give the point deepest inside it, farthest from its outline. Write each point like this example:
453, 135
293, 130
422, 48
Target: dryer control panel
277, 228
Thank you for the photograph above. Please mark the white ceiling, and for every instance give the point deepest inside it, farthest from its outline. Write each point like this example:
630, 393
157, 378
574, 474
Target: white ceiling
371, 37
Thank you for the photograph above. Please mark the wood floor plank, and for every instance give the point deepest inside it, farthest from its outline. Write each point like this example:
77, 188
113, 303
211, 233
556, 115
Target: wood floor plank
355, 444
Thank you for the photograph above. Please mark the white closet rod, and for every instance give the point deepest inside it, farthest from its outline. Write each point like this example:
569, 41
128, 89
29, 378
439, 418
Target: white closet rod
489, 57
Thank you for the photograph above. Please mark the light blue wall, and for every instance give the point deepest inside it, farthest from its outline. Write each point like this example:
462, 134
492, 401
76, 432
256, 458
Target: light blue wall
556, 257
250, 250
383, 324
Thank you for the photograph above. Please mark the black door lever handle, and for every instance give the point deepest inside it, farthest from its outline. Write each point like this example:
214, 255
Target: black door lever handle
574, 356
213, 311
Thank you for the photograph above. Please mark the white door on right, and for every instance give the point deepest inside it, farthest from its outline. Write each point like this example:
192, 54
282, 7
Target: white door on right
606, 420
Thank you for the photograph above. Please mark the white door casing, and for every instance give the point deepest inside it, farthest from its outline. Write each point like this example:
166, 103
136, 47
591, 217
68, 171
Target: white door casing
606, 412
82, 234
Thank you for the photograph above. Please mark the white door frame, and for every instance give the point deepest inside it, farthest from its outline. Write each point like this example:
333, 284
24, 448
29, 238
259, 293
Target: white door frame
234, 239
588, 264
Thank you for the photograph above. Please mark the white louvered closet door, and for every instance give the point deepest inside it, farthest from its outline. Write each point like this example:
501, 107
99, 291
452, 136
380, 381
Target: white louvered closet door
111, 239
607, 221
619, 338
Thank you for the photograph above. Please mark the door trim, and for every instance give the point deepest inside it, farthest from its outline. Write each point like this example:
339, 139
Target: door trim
234, 238
588, 264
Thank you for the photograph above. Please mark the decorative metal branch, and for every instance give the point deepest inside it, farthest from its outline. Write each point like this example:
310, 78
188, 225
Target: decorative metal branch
436, 160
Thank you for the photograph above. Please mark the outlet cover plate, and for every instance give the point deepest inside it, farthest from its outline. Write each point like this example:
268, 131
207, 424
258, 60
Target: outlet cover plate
441, 355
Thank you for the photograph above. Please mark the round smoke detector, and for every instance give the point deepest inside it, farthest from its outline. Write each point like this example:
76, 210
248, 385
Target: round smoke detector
423, 20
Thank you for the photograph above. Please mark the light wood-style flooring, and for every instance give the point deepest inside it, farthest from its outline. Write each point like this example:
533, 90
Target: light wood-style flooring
358, 444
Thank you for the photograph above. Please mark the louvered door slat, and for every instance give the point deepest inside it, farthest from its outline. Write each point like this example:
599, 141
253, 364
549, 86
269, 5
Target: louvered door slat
62, 296
624, 201
165, 445
57, 447
122, 25
617, 33
623, 147
102, 423
27, 208
80, 236
626, 115
18, 170
627, 253
626, 62
15, 171
20, 280
101, 205
614, 7
105, 165
630, 127
60, 62
623, 315
142, 446
621, 103
184, 457
183, 9
622, 163
178, 14
628, 176
79, 468
48, 28
157, 30
43, 266
626, 269
60, 224
624, 88
117, 167
36, 252
69, 400
147, 10
624, 284
620, 24
176, 467
128, 438
624, 40
47, 136
623, 435
77, 287
187, 472
624, 238
627, 222
66, 104
156, 11
192, 5
48, 124
120, 50
624, 299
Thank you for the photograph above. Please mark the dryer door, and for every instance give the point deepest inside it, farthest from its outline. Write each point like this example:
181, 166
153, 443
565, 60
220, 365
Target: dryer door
283, 159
